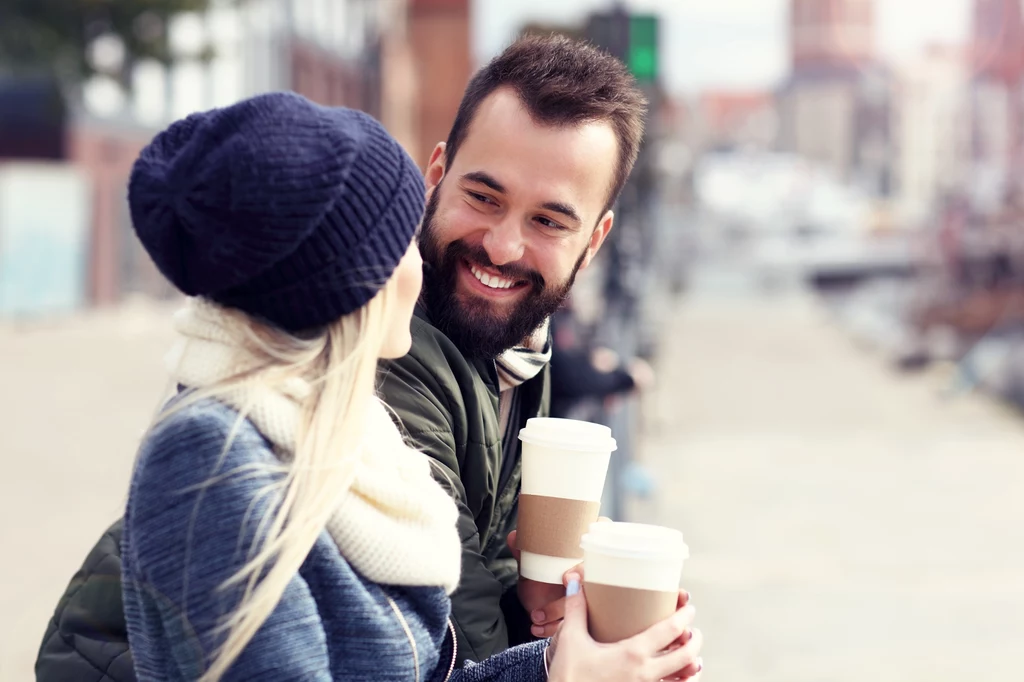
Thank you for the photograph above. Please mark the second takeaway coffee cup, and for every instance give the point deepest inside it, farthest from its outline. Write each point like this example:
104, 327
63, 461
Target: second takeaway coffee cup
564, 466
631, 577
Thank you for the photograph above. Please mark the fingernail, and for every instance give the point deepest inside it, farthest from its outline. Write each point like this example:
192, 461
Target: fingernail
537, 631
700, 664
687, 596
537, 616
573, 588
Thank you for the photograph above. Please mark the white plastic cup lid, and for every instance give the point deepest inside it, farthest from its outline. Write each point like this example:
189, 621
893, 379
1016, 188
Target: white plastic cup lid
635, 541
568, 434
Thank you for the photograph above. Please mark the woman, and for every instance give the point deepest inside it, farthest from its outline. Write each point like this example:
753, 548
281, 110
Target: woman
277, 526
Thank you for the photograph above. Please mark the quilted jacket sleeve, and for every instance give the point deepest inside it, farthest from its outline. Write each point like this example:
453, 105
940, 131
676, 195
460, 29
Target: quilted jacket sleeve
86, 638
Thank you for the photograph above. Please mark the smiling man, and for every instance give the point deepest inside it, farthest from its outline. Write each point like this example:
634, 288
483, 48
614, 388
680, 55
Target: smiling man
513, 215
519, 200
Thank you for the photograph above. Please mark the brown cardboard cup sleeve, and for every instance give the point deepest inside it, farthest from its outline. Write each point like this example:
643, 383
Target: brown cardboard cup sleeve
617, 613
553, 526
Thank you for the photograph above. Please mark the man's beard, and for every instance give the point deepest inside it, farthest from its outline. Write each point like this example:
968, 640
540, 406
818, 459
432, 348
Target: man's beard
472, 325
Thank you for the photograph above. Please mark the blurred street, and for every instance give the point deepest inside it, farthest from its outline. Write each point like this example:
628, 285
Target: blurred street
76, 397
844, 523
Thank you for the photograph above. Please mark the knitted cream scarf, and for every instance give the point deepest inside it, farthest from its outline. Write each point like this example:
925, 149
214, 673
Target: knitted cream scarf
395, 525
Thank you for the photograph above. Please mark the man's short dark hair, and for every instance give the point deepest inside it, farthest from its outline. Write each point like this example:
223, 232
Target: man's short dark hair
561, 82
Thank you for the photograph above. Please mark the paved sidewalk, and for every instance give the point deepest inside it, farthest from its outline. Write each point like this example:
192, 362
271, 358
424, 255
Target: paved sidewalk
845, 523
76, 396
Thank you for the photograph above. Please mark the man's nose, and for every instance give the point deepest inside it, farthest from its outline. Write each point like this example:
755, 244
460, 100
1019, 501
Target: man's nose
504, 243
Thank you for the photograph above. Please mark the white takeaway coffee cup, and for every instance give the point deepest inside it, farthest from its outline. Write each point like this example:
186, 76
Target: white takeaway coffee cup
631, 577
564, 466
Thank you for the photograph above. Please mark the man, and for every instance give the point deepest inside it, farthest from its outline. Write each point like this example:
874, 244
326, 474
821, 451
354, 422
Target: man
519, 200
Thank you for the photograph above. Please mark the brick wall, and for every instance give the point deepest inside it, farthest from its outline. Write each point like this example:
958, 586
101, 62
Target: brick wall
324, 77
117, 263
439, 34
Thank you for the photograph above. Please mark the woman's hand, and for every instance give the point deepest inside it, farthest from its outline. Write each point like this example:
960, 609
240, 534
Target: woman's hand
667, 650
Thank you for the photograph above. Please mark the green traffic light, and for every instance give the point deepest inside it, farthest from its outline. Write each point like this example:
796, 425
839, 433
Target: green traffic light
643, 62
642, 56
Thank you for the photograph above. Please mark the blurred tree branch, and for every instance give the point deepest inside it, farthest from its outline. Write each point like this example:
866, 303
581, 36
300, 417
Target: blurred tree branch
59, 36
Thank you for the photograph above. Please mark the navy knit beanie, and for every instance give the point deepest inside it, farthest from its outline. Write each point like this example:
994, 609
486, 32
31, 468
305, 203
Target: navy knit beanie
287, 210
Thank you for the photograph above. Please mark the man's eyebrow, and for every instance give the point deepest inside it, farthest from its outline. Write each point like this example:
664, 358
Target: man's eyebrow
482, 178
565, 209
485, 179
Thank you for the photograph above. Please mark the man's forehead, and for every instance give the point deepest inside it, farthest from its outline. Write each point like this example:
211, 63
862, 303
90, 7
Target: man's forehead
504, 110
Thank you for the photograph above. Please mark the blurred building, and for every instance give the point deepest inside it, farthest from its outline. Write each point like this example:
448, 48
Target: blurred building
104, 149
932, 124
405, 62
731, 120
835, 108
977, 288
60, 145
32, 118
997, 37
439, 37
997, 130
837, 34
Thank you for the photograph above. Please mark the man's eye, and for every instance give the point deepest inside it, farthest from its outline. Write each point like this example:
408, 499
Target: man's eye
480, 197
548, 223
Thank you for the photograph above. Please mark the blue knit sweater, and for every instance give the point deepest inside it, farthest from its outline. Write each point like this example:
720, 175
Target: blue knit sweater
181, 543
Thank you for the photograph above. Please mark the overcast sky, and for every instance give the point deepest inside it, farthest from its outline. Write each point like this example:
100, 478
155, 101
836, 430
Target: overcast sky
726, 43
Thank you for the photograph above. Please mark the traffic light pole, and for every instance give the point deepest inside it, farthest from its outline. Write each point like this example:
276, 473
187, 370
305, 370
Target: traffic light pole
633, 39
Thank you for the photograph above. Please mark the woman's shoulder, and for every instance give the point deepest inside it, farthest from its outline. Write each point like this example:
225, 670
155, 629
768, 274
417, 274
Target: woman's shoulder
206, 419
204, 448
190, 433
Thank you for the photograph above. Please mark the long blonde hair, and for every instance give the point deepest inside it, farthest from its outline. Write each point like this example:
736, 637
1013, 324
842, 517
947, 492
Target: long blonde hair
340, 364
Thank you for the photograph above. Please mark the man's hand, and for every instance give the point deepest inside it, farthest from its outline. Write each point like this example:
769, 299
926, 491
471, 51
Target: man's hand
642, 373
543, 601
604, 359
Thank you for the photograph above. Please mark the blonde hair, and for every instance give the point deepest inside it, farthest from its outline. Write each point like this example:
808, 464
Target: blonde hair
340, 364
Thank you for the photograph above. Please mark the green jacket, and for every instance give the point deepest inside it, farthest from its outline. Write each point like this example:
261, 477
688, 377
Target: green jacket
448, 405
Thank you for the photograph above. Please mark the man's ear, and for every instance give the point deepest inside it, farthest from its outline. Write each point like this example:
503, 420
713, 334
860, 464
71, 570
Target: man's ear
435, 167
598, 237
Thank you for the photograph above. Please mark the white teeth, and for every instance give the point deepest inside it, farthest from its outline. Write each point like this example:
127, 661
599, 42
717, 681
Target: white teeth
491, 281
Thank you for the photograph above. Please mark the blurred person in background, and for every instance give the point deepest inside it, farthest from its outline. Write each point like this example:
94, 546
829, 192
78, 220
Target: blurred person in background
583, 374
590, 381
518, 201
